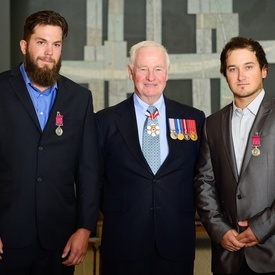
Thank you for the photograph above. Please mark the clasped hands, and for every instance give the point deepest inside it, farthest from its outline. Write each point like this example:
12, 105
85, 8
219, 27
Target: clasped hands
234, 241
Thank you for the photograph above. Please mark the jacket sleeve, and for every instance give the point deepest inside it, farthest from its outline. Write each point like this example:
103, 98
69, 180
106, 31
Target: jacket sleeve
207, 199
87, 180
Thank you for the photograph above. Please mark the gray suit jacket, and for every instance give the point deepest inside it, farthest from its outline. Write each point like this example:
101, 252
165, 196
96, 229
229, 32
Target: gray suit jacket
224, 198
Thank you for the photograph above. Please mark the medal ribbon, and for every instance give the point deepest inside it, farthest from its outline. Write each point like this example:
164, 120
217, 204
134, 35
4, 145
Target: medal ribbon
256, 140
178, 126
172, 125
59, 119
191, 126
152, 116
183, 122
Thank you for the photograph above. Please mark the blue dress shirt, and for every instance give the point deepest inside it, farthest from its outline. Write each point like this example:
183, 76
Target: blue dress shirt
42, 101
140, 109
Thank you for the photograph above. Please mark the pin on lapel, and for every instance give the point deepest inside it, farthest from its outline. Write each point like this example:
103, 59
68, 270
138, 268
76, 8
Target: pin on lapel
59, 123
256, 142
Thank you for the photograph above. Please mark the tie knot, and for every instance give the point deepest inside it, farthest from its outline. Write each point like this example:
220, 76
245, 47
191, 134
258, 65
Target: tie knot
152, 112
152, 109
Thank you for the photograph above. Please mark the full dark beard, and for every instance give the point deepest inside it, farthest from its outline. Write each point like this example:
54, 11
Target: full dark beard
45, 76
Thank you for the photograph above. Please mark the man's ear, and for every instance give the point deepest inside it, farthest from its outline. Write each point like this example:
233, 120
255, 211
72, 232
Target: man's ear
130, 72
264, 72
23, 46
167, 77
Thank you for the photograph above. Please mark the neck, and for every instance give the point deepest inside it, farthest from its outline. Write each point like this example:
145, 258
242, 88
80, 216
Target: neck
244, 101
149, 100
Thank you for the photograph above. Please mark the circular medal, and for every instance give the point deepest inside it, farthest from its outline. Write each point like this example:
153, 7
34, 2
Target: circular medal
256, 152
193, 136
180, 136
59, 131
173, 135
186, 137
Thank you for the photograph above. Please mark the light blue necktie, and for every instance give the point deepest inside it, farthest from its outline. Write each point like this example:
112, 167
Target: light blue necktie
151, 140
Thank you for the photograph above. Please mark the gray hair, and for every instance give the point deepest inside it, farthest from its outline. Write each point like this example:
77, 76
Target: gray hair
144, 44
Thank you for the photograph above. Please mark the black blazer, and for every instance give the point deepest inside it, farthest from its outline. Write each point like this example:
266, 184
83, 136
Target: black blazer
140, 208
48, 183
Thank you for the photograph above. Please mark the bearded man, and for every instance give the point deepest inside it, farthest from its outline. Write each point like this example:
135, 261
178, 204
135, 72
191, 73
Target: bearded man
48, 158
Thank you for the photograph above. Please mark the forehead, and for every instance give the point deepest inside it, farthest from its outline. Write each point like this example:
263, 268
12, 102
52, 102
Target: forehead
241, 56
150, 54
47, 30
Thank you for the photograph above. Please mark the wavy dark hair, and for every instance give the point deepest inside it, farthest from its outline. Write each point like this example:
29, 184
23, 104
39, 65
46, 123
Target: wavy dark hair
243, 43
44, 18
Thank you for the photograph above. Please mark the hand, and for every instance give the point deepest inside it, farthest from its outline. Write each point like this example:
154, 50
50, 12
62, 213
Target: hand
76, 247
229, 241
247, 237
1, 249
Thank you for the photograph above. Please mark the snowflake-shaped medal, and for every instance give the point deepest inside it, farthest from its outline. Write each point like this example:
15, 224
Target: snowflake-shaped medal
153, 130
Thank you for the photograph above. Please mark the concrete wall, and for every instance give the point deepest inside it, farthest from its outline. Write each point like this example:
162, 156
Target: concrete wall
101, 32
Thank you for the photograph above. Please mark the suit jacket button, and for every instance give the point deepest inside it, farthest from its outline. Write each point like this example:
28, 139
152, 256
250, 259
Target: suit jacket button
239, 197
39, 179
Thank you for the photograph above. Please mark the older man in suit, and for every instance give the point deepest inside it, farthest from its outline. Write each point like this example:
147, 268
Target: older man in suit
235, 178
148, 225
48, 158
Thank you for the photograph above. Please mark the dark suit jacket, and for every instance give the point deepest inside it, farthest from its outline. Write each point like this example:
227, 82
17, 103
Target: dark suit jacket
141, 208
38, 169
224, 198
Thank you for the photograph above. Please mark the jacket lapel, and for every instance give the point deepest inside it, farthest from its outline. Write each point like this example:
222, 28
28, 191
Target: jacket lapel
173, 147
228, 141
264, 111
19, 87
127, 126
21, 91
57, 107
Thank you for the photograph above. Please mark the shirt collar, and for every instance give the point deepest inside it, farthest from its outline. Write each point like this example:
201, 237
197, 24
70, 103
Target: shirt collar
254, 106
28, 82
142, 107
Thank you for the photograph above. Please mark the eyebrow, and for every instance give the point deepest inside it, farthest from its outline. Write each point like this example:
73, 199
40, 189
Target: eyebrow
43, 39
246, 63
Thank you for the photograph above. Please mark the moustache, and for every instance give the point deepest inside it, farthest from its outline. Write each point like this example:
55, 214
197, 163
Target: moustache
46, 59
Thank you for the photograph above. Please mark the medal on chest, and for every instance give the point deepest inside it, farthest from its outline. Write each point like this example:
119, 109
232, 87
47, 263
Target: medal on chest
59, 123
152, 128
256, 142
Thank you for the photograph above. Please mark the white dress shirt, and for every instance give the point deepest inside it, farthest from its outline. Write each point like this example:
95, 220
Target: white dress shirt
242, 121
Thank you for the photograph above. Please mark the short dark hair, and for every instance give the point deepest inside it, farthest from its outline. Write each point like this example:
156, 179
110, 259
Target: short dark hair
45, 17
239, 42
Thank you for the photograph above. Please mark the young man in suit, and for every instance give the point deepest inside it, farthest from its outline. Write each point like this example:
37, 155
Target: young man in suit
48, 158
148, 224
235, 176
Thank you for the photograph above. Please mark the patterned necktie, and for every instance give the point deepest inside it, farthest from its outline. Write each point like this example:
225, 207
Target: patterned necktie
151, 141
